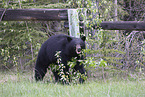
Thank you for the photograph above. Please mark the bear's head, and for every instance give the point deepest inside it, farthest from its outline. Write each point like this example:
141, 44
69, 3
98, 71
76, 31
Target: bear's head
75, 45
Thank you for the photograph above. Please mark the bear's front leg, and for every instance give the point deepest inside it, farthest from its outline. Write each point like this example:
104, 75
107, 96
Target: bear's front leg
56, 75
80, 67
64, 75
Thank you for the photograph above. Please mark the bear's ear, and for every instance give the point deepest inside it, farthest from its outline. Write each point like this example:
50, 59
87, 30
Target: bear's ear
69, 39
83, 38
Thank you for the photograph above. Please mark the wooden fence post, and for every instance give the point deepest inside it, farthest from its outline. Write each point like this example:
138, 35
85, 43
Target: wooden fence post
73, 20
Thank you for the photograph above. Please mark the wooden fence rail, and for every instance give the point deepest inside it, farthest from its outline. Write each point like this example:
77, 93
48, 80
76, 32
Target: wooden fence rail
62, 15
123, 25
33, 14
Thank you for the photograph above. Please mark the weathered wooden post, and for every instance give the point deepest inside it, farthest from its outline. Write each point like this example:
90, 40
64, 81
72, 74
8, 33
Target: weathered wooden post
73, 20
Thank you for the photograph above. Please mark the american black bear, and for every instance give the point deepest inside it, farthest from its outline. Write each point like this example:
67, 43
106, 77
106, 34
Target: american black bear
69, 46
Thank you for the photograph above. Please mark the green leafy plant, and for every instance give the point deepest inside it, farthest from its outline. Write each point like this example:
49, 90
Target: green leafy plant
67, 77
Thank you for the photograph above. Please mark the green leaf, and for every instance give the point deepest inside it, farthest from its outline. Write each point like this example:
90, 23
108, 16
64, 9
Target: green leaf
102, 63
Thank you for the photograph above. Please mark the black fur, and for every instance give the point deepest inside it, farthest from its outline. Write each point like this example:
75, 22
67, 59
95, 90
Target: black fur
67, 46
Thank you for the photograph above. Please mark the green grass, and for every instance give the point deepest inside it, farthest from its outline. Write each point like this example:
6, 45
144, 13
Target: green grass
25, 86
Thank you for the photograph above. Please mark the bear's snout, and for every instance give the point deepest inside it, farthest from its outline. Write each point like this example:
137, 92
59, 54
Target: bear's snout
78, 49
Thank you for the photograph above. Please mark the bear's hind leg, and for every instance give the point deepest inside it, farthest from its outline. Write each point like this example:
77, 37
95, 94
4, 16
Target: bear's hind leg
40, 72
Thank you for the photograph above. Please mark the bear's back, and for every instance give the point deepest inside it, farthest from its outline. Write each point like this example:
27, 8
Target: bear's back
56, 41
52, 45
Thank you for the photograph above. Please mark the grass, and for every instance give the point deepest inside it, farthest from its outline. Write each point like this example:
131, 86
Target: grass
25, 86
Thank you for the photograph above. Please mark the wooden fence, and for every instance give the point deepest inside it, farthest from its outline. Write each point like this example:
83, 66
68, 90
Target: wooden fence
62, 15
